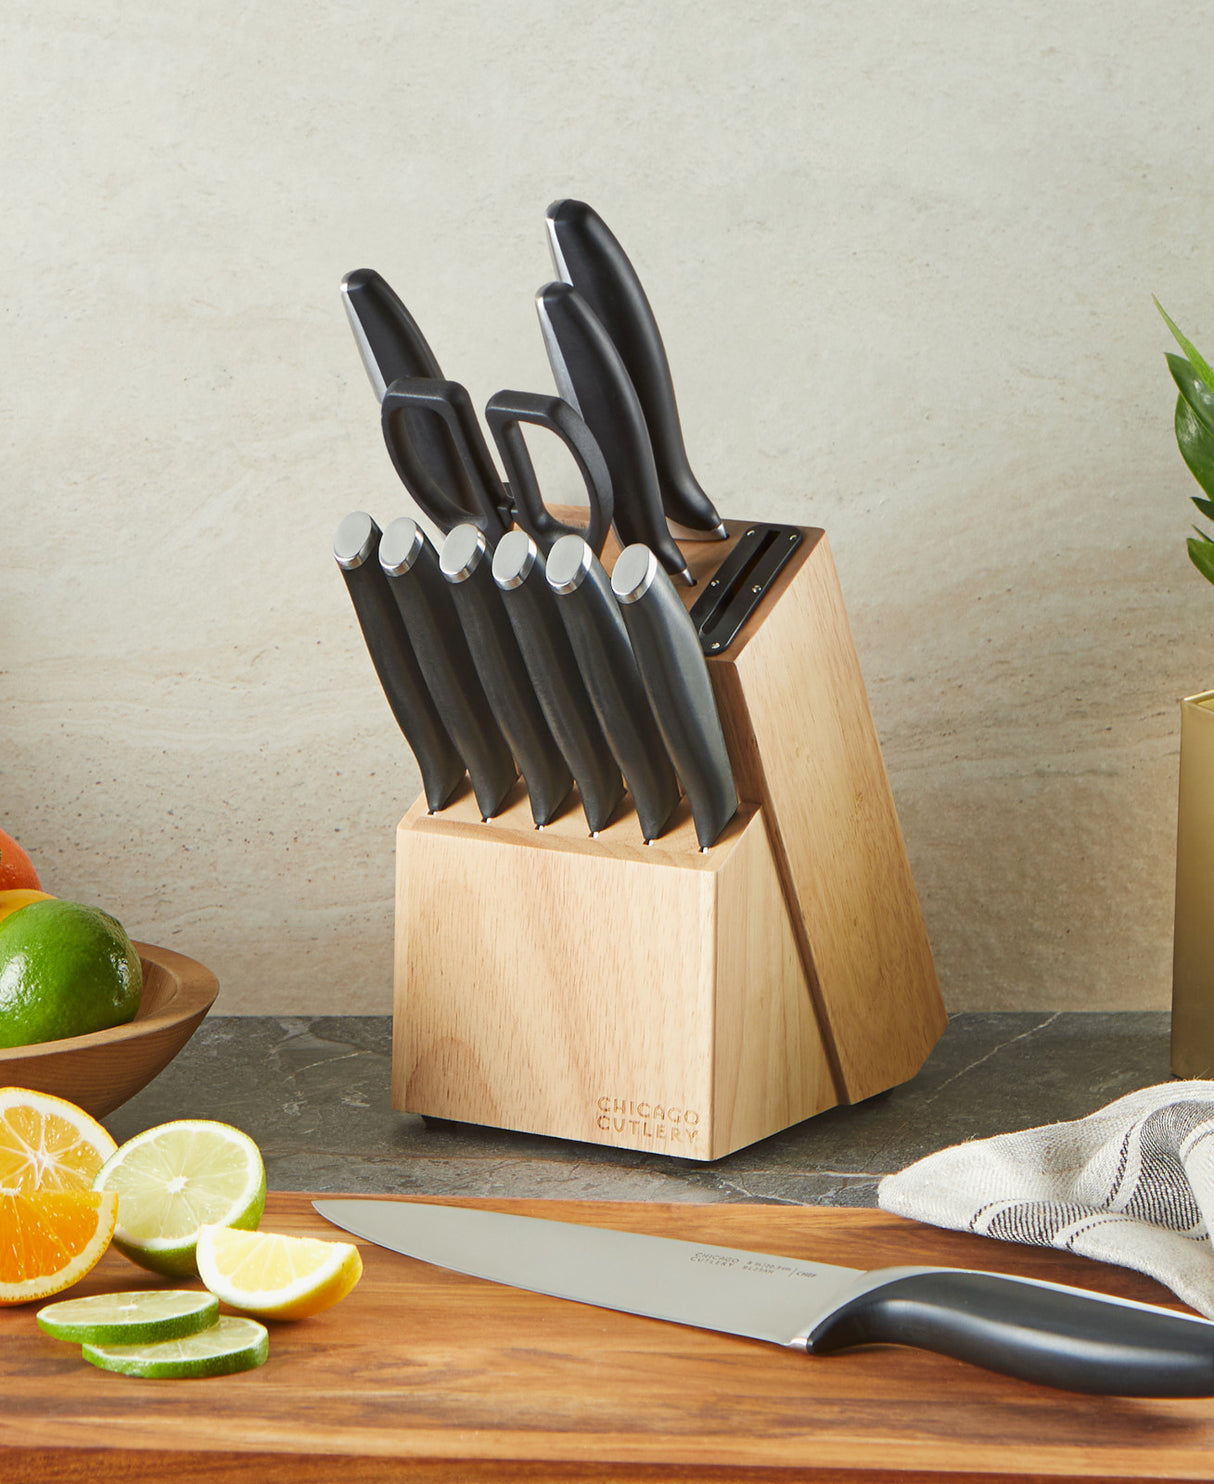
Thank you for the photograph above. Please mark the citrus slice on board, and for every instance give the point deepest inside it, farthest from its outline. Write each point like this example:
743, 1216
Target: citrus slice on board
47, 1143
175, 1178
129, 1318
276, 1277
50, 1241
229, 1345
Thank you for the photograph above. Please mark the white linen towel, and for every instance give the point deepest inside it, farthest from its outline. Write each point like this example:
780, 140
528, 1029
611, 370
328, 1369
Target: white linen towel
1132, 1184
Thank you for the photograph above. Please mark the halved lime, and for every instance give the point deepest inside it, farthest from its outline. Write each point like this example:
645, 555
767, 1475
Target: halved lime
175, 1178
129, 1318
229, 1345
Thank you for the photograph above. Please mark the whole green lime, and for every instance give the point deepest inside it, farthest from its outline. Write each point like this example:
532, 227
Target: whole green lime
65, 970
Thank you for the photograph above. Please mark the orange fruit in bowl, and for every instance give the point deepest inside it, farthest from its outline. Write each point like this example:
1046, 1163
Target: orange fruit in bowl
48, 1241
16, 868
20, 896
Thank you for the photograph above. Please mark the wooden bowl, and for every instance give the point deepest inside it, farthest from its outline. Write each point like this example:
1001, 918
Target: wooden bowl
100, 1071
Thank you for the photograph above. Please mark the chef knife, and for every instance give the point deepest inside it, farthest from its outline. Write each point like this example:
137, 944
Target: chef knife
355, 549
600, 643
591, 375
676, 679
1042, 1332
424, 600
518, 571
392, 348
588, 256
465, 563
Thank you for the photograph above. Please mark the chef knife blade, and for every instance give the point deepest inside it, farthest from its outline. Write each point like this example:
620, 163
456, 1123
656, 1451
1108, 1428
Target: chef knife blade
600, 643
676, 679
588, 256
1042, 1332
424, 600
591, 375
355, 548
518, 571
465, 563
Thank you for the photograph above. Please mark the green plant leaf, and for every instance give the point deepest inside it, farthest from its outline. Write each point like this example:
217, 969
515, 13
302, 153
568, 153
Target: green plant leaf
1201, 535
1195, 392
1196, 444
1205, 506
1196, 359
1202, 555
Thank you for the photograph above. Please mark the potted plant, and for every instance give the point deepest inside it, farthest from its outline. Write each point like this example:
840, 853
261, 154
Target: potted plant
1193, 943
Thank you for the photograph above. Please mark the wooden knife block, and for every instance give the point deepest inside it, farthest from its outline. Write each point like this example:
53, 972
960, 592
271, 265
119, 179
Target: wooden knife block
658, 997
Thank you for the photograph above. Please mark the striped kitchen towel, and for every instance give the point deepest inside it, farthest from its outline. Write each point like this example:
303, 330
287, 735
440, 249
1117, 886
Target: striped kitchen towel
1131, 1184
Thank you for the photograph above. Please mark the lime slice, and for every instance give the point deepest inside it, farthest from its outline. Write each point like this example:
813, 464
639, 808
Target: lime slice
176, 1177
130, 1318
276, 1277
228, 1345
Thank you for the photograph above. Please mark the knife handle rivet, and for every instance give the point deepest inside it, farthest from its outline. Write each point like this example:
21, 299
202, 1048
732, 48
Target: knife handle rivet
716, 644
751, 531
756, 587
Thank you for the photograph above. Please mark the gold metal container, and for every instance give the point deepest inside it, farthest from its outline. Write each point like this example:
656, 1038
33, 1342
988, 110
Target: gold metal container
1193, 948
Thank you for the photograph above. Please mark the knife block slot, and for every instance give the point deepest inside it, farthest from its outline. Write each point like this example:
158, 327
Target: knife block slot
656, 997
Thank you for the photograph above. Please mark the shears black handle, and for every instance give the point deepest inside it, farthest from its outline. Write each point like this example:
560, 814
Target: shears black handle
481, 500
504, 413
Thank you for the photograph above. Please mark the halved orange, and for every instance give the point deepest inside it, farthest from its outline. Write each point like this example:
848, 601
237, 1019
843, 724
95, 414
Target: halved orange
47, 1143
50, 1241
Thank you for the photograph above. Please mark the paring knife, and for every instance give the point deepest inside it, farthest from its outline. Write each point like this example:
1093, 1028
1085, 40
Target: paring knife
600, 642
465, 563
1041, 1332
591, 375
356, 548
518, 571
588, 256
675, 674
424, 601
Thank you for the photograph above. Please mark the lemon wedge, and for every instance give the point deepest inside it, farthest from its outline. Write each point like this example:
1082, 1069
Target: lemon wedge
276, 1277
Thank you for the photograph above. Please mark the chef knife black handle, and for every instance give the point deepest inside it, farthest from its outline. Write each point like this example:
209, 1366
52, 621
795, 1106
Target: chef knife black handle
1039, 1332
604, 655
504, 413
588, 256
356, 550
479, 498
591, 374
679, 687
530, 604
466, 565
424, 600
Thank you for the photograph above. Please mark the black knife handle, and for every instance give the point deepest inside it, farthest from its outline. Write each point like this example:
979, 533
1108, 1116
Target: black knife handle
424, 600
518, 571
1043, 1332
465, 563
389, 340
504, 412
356, 548
679, 687
478, 497
609, 671
392, 348
588, 256
590, 373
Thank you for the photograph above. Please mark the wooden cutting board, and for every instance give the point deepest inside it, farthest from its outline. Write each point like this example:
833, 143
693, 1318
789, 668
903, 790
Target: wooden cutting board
429, 1375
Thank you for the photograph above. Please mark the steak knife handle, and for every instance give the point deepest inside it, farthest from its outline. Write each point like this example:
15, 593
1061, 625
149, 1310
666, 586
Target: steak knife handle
356, 549
1042, 1332
465, 562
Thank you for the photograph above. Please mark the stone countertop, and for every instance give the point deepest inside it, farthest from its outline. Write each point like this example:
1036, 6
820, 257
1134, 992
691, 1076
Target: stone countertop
314, 1093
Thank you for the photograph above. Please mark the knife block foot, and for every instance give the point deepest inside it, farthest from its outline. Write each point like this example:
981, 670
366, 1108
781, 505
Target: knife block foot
656, 998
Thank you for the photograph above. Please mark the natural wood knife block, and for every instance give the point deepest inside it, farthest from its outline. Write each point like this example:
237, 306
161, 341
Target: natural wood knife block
657, 997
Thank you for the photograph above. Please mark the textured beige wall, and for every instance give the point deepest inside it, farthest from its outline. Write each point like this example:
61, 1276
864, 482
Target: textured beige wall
902, 255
